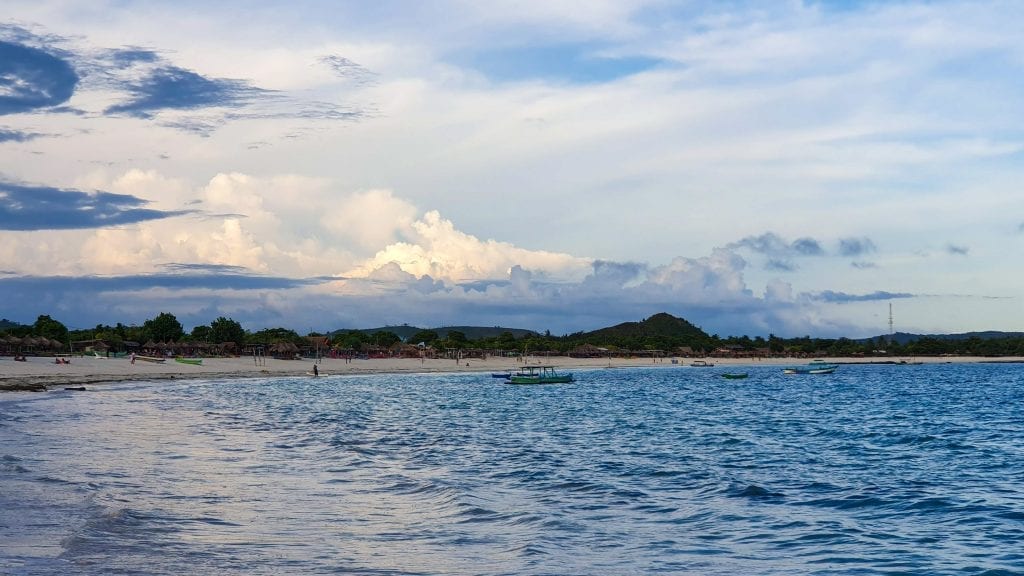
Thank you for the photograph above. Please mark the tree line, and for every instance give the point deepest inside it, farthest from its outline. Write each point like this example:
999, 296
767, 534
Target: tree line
165, 327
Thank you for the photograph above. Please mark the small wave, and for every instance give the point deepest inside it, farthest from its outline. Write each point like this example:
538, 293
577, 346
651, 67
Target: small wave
475, 515
755, 492
849, 503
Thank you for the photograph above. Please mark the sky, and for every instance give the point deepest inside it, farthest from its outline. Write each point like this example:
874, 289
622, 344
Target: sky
779, 167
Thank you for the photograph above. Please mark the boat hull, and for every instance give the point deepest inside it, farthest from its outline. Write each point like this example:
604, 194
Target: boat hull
539, 375
541, 380
811, 369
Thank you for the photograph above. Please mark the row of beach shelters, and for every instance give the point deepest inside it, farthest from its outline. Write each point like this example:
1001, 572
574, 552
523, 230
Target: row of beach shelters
11, 344
188, 348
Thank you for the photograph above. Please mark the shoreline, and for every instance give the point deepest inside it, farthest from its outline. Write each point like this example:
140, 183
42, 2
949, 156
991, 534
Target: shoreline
41, 373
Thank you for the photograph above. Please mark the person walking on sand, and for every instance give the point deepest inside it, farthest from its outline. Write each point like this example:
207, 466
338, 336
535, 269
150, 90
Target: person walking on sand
133, 357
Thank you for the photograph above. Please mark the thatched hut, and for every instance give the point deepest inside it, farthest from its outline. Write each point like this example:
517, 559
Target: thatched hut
283, 350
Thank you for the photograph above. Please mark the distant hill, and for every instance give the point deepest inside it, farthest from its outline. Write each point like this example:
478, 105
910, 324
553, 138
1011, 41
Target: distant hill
661, 326
472, 332
6, 324
905, 337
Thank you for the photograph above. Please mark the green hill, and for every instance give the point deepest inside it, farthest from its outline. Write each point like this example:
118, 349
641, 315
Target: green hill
662, 331
904, 338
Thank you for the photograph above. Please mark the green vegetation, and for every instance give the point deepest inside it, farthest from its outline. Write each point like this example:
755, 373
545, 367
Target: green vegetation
661, 334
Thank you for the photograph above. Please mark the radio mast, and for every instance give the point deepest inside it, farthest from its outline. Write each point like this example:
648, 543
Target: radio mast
890, 324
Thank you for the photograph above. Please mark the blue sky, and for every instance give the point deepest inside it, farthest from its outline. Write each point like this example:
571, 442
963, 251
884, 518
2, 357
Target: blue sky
758, 168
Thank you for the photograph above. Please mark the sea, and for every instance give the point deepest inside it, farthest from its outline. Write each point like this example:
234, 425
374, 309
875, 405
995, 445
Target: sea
875, 469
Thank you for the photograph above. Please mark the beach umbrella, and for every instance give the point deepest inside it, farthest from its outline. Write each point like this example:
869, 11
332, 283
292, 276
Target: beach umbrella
149, 344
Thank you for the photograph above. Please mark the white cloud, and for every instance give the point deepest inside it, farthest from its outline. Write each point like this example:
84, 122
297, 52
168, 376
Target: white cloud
435, 248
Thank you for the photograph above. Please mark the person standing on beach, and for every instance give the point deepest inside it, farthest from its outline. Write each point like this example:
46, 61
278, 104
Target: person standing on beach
316, 372
133, 357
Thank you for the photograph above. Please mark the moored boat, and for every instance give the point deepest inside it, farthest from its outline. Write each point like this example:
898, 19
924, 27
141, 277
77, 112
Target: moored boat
150, 359
540, 375
814, 367
734, 375
192, 361
701, 364
505, 375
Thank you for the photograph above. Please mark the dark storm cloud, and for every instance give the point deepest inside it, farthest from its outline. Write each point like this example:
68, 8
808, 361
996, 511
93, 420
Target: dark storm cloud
33, 79
781, 265
141, 282
807, 247
205, 268
171, 87
957, 250
37, 75
853, 247
24, 207
348, 69
771, 244
842, 297
17, 135
130, 56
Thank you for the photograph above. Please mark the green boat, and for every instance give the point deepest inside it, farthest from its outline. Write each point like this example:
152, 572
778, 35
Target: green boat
193, 361
540, 375
734, 375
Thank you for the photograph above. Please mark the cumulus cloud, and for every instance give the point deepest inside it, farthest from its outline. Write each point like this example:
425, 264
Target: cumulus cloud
433, 247
369, 219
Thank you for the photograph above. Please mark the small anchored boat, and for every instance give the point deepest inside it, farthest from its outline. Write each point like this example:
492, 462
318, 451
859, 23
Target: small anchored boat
814, 367
540, 375
734, 375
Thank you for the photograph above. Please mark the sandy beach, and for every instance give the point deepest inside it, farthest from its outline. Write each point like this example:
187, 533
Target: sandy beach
39, 373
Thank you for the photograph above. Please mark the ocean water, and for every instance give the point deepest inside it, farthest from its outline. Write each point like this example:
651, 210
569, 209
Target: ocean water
672, 470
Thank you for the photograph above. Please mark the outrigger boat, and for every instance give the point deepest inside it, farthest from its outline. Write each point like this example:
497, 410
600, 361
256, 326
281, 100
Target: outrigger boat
815, 367
150, 359
540, 375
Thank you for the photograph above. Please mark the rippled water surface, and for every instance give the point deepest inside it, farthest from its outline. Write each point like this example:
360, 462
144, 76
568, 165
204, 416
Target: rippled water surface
871, 470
